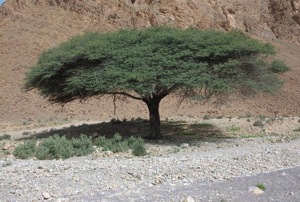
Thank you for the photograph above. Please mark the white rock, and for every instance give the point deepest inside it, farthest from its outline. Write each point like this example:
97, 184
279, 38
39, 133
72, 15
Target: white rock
6, 146
184, 145
188, 199
46, 195
256, 190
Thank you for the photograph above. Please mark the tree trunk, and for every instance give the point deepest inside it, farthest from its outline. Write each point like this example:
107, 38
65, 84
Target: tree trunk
154, 119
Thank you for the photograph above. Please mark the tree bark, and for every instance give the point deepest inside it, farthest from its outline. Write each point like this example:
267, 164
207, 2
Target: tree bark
154, 118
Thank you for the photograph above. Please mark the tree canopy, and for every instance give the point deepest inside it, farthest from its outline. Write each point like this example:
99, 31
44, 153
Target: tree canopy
149, 64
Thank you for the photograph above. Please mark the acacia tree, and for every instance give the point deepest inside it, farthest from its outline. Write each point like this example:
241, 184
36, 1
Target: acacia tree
149, 64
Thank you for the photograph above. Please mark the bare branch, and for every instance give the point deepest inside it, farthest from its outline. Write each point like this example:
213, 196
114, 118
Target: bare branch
125, 94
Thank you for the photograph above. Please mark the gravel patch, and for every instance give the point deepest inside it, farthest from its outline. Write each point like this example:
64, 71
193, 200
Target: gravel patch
79, 178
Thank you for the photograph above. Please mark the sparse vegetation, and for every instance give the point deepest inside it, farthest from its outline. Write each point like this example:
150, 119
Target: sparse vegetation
139, 150
278, 67
54, 147
117, 144
5, 137
25, 150
203, 125
206, 117
115, 121
175, 149
297, 129
258, 123
234, 129
26, 133
261, 186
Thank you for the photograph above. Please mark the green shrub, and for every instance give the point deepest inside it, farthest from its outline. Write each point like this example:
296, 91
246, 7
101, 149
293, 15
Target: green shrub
204, 125
100, 141
82, 145
206, 117
258, 123
278, 67
55, 147
139, 150
25, 150
116, 144
115, 121
43, 152
297, 130
5, 137
133, 141
261, 186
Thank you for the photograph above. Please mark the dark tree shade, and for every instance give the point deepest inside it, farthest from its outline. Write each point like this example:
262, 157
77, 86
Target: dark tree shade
149, 64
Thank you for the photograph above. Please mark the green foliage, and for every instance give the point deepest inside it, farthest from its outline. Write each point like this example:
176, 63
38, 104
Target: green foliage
25, 150
206, 117
149, 64
203, 125
297, 129
5, 137
115, 121
139, 150
82, 145
258, 123
55, 147
117, 144
234, 129
154, 61
261, 186
278, 67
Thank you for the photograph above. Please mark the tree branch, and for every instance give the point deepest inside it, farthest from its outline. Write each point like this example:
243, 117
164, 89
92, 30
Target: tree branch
176, 85
125, 94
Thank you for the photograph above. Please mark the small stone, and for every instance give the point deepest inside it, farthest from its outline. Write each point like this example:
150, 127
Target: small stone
10, 157
108, 153
184, 145
188, 199
256, 190
61, 199
6, 146
46, 195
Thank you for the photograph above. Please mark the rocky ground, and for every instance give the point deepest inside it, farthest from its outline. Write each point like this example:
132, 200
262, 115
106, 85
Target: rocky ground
169, 166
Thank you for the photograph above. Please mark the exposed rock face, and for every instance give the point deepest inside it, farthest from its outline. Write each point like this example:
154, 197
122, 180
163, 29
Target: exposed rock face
266, 18
28, 27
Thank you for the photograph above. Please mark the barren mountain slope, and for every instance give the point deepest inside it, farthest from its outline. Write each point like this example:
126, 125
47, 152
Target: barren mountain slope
28, 27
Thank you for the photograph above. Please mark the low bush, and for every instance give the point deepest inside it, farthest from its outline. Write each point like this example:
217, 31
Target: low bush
59, 147
114, 144
5, 137
261, 186
82, 145
139, 150
278, 67
25, 150
258, 123
55, 147
117, 144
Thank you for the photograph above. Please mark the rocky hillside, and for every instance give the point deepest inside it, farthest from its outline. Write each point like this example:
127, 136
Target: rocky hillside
28, 27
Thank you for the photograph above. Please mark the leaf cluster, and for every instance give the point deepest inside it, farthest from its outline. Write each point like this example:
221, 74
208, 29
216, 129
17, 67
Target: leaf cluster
55, 147
154, 61
117, 144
